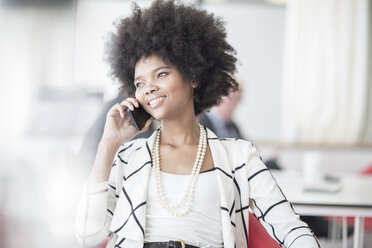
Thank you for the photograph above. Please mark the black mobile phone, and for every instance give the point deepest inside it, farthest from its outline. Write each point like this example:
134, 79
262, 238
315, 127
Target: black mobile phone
139, 116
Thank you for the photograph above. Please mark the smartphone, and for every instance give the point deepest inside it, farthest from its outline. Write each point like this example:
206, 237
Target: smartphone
139, 116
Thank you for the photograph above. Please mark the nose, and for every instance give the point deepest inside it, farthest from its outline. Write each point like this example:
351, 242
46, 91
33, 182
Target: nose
150, 88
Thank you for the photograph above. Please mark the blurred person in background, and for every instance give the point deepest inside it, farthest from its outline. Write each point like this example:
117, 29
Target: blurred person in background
183, 186
220, 117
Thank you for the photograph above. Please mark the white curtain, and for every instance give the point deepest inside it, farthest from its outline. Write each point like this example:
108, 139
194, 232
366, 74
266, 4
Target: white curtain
325, 77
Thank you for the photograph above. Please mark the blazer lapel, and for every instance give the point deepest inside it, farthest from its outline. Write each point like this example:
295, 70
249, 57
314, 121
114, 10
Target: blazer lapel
226, 188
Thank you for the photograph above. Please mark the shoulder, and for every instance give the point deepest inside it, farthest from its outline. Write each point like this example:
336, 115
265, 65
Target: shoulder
237, 151
235, 144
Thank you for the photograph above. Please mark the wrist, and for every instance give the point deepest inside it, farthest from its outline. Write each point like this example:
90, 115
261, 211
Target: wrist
103, 162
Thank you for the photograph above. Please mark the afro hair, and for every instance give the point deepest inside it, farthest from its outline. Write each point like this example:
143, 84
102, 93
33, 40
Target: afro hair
182, 35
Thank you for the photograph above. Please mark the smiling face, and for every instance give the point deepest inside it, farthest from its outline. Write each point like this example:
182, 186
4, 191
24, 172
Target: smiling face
161, 90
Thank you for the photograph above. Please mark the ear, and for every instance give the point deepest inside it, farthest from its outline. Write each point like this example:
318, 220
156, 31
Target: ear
193, 85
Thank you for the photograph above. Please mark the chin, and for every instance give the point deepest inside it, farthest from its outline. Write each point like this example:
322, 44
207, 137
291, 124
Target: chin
158, 116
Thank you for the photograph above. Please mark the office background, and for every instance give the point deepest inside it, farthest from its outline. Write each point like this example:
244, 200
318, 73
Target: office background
54, 83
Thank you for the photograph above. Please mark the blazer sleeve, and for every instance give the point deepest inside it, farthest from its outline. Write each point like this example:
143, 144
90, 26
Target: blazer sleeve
272, 208
97, 205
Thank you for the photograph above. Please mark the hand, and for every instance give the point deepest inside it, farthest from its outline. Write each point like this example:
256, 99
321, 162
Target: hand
118, 128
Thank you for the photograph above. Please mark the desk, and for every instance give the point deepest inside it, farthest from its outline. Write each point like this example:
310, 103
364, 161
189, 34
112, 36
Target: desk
353, 199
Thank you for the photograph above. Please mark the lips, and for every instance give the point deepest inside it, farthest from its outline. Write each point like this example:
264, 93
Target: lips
156, 101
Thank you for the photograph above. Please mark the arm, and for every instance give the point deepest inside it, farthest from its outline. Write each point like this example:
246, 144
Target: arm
272, 208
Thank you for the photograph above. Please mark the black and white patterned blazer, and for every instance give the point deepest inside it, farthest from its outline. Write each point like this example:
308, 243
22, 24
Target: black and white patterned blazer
118, 207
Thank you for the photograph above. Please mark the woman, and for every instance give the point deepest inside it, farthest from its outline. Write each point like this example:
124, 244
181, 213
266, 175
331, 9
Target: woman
182, 187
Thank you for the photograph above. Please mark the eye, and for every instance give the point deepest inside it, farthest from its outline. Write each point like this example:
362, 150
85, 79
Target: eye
162, 74
138, 84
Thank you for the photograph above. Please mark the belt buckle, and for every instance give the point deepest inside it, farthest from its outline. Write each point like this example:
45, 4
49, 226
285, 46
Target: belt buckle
182, 243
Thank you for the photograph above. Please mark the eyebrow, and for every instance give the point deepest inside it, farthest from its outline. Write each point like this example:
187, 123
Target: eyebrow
157, 69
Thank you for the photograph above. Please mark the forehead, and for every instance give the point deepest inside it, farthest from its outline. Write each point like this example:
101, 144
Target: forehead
146, 65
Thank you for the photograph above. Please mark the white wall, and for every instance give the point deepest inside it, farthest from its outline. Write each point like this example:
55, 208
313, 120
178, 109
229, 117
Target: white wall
256, 31
89, 67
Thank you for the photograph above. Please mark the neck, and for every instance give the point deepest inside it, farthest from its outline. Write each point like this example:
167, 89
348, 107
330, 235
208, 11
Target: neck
180, 132
224, 114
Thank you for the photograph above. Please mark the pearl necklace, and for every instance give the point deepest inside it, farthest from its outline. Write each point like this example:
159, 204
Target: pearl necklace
183, 206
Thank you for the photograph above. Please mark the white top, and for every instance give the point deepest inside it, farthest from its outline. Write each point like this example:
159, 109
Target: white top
200, 227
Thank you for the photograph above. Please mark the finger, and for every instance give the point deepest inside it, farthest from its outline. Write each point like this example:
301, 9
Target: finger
148, 122
119, 108
147, 125
127, 104
134, 101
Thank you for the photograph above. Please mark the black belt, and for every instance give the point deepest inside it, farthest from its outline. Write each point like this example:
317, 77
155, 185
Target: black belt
168, 244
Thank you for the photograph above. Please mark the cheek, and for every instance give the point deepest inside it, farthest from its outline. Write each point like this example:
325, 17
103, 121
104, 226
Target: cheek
138, 96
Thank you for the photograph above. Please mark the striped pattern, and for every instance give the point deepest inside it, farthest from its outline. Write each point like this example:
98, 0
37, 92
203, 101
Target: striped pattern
242, 176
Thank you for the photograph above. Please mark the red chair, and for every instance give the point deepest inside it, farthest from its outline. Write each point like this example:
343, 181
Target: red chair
258, 236
368, 170
367, 221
